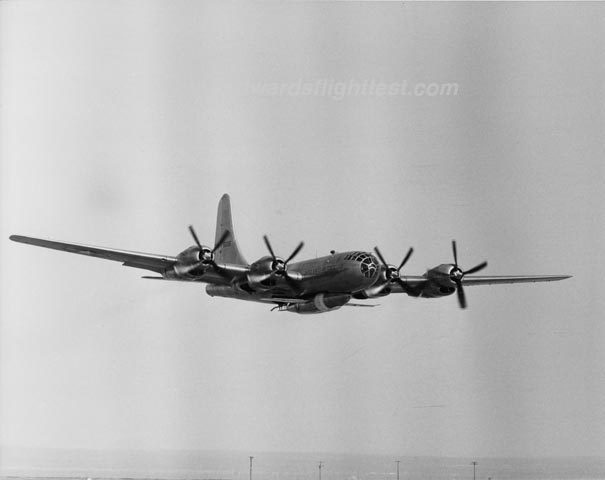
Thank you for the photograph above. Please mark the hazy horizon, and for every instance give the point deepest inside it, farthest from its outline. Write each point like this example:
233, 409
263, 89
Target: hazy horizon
190, 464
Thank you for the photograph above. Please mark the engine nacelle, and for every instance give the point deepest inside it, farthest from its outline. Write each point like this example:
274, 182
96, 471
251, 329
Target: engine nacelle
440, 283
321, 302
187, 264
189, 256
260, 274
380, 288
268, 272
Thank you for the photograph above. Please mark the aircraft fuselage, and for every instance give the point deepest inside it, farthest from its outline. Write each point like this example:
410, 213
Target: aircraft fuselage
336, 273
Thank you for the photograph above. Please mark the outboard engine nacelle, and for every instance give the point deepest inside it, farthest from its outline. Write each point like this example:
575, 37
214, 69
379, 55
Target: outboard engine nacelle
439, 282
321, 302
189, 256
448, 278
193, 261
187, 264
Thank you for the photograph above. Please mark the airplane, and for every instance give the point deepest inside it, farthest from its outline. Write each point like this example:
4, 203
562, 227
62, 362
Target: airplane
310, 286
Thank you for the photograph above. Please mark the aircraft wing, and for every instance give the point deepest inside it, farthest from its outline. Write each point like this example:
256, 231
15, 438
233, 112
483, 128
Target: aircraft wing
147, 261
418, 280
493, 280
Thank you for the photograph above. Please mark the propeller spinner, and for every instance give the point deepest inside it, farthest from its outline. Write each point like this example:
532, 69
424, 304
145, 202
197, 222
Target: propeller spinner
206, 255
279, 265
392, 272
457, 274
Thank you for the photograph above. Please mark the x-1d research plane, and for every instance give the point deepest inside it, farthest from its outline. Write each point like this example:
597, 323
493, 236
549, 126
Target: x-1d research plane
311, 286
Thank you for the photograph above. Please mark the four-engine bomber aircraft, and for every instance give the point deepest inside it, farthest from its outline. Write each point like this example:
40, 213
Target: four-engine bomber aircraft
311, 286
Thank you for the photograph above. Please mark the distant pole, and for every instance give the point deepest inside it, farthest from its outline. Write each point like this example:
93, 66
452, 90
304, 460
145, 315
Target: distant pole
320, 465
397, 462
474, 464
251, 467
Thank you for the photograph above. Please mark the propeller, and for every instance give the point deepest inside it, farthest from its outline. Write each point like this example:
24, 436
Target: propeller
206, 255
392, 272
457, 274
279, 265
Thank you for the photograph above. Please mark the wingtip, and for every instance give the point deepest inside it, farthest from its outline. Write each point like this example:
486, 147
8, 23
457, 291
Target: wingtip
561, 277
22, 239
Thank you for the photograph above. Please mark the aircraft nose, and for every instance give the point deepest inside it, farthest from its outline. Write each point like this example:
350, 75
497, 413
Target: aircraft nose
369, 266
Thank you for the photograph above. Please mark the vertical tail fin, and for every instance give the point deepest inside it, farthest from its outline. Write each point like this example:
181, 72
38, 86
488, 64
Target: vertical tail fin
228, 251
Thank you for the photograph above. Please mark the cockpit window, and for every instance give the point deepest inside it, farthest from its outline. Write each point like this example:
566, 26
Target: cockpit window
357, 256
369, 265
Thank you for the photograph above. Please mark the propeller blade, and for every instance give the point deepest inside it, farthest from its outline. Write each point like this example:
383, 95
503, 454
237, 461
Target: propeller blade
407, 257
455, 252
193, 234
269, 246
221, 240
457, 275
481, 266
295, 252
384, 262
461, 296
404, 286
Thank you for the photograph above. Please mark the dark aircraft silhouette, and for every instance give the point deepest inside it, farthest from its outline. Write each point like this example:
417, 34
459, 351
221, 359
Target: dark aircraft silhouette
309, 286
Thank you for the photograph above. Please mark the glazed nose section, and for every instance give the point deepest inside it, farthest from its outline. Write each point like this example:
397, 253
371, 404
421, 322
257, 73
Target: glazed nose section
369, 266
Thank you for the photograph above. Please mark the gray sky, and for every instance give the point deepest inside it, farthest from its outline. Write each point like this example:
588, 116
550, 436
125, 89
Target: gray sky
123, 123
